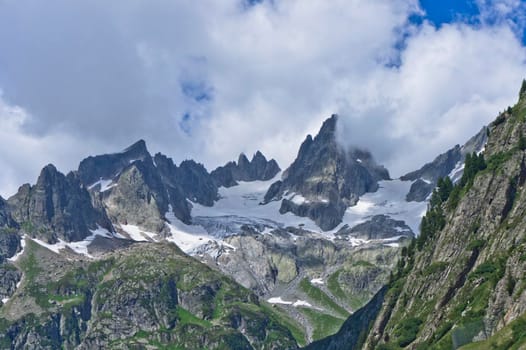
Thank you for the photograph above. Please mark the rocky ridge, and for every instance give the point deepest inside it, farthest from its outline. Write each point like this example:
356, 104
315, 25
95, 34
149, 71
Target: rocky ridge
244, 170
325, 178
446, 164
310, 276
461, 284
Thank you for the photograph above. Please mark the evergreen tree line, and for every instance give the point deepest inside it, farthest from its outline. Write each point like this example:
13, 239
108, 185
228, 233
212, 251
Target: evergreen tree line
435, 220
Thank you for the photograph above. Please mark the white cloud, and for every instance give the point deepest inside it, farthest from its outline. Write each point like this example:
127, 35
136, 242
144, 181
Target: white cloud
247, 78
451, 81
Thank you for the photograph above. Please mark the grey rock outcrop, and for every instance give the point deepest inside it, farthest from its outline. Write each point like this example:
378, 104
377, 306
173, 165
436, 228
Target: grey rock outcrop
6, 220
9, 244
329, 178
108, 166
259, 168
378, 227
57, 206
139, 197
9, 278
176, 194
197, 183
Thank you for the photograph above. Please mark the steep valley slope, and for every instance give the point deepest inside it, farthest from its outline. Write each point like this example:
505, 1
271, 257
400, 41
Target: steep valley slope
461, 284
132, 251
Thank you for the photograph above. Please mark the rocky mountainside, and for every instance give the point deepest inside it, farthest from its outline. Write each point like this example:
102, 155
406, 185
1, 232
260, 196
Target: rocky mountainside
299, 276
147, 295
325, 179
56, 207
259, 168
461, 284
449, 164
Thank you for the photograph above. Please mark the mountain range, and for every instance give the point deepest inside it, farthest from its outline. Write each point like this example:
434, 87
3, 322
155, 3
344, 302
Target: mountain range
133, 251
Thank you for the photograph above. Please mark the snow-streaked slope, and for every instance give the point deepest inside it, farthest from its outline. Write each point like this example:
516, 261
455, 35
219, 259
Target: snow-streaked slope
104, 184
388, 200
187, 237
80, 247
241, 205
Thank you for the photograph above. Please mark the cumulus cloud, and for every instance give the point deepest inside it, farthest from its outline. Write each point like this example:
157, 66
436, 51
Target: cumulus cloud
22, 154
450, 82
210, 79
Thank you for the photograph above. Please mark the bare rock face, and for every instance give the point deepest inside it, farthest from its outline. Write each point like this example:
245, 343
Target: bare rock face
176, 194
6, 220
259, 168
108, 166
57, 206
328, 177
196, 183
139, 197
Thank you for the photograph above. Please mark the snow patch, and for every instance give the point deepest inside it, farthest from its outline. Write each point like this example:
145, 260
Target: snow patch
298, 199
393, 245
80, 247
5, 300
457, 171
188, 237
137, 234
317, 281
298, 303
356, 242
105, 184
278, 300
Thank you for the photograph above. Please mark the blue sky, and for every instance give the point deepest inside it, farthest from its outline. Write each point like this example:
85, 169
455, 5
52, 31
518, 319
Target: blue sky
471, 11
210, 79
447, 11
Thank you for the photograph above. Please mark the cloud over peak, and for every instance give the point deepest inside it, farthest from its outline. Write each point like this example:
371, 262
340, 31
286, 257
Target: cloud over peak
212, 79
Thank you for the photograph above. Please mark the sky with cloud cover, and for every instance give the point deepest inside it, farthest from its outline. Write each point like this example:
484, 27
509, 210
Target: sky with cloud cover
210, 79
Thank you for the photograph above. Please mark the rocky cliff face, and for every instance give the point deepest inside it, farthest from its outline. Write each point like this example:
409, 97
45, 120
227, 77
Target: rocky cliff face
461, 284
446, 164
139, 189
145, 296
57, 207
138, 197
326, 179
198, 185
108, 166
259, 168
5, 215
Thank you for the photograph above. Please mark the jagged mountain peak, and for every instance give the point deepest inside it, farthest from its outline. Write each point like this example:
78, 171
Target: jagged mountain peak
58, 206
139, 146
108, 166
259, 168
242, 159
327, 176
328, 128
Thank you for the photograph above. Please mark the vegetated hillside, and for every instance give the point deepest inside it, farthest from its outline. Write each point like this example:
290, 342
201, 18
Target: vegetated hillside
461, 284
144, 296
